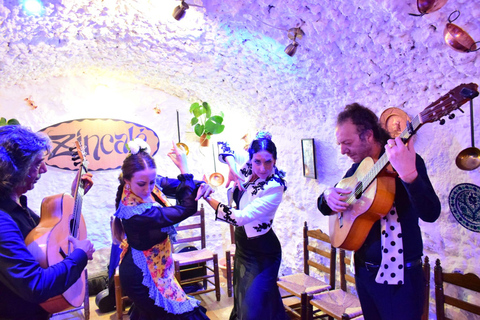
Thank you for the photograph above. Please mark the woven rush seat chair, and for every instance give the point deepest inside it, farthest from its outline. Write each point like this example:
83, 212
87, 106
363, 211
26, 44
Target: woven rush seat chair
316, 248
338, 303
195, 262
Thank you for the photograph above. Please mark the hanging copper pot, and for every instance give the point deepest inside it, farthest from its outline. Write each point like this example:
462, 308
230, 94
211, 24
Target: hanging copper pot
428, 6
181, 145
457, 38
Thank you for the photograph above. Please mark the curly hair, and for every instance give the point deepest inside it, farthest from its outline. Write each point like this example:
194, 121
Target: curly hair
364, 119
19, 146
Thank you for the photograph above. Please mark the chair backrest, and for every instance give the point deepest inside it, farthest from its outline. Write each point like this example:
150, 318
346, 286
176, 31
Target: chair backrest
192, 229
426, 302
317, 247
462, 282
232, 234
346, 277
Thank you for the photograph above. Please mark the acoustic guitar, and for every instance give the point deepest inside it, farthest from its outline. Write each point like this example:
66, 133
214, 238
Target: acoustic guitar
373, 186
60, 217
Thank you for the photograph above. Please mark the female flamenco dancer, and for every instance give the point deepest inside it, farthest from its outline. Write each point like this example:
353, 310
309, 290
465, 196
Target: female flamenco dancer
144, 216
258, 253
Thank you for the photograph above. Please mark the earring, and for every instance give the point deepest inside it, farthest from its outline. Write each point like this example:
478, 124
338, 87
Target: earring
127, 186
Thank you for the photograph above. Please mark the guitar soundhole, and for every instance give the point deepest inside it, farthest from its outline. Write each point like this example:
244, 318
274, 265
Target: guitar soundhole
358, 190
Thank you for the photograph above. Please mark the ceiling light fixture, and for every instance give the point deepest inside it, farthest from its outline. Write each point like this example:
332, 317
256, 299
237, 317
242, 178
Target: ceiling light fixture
179, 11
293, 34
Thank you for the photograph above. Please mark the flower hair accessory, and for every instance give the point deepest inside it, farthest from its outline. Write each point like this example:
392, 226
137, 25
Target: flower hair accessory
137, 145
263, 135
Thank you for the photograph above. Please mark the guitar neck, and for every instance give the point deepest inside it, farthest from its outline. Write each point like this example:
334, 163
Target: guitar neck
382, 162
78, 201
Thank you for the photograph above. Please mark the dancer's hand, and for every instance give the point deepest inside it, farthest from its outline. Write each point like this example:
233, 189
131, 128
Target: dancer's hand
204, 191
179, 157
233, 175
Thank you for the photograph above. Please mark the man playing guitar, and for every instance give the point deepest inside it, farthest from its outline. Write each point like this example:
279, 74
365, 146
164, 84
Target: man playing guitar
397, 292
24, 284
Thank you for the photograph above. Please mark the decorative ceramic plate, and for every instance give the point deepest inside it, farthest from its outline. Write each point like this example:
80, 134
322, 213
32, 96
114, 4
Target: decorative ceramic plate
464, 201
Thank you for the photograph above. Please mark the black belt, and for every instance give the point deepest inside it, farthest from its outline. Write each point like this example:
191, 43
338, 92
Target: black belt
370, 266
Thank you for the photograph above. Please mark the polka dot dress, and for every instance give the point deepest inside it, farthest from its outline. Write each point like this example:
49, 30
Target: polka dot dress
391, 267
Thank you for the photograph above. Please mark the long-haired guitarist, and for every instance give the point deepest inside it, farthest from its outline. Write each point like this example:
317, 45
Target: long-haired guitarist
24, 284
388, 265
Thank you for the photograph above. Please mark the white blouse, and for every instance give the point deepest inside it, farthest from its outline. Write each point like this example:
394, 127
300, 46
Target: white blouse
258, 203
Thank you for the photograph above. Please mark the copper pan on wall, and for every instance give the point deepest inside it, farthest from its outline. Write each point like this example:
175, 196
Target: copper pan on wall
428, 6
216, 179
457, 38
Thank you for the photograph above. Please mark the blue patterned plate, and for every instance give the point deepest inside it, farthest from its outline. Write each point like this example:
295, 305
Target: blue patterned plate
464, 201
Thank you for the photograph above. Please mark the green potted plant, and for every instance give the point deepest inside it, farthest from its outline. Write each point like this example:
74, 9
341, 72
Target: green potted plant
205, 125
5, 122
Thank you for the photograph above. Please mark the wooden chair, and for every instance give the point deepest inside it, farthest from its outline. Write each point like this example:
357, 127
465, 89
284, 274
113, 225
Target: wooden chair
458, 281
229, 257
85, 305
426, 273
338, 303
316, 247
192, 230
120, 300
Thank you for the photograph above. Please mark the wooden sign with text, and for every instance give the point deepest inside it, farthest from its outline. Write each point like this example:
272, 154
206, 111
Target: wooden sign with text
104, 141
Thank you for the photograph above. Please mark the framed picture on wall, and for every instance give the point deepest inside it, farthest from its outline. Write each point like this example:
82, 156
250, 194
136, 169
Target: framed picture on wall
308, 153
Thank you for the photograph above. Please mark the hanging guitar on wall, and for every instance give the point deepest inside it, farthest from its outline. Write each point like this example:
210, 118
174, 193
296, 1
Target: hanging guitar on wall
61, 217
371, 197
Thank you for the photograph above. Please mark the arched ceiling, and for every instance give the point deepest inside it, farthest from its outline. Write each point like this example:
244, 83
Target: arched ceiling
232, 51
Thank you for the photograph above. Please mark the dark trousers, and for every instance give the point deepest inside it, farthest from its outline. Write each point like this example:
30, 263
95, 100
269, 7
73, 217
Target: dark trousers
391, 302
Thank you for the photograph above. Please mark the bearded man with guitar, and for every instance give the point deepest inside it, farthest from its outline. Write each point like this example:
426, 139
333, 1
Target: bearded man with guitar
408, 192
24, 284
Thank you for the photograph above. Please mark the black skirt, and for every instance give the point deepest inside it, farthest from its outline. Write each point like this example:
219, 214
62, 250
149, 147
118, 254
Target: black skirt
257, 261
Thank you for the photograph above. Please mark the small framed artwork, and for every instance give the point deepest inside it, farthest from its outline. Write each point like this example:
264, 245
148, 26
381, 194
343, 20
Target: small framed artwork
308, 153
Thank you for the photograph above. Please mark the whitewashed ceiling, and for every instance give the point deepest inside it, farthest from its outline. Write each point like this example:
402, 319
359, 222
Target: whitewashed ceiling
231, 52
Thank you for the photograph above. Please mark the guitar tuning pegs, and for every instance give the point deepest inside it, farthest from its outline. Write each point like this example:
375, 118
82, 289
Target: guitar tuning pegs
71, 149
77, 157
442, 122
76, 163
451, 116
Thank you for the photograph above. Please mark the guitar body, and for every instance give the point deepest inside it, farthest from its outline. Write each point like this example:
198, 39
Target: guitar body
48, 243
349, 229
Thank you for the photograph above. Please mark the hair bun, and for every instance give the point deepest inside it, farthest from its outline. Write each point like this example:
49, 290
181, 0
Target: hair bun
263, 135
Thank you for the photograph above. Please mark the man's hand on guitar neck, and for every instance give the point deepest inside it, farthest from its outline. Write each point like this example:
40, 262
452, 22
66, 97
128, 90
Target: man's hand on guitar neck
87, 180
84, 245
402, 157
336, 197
